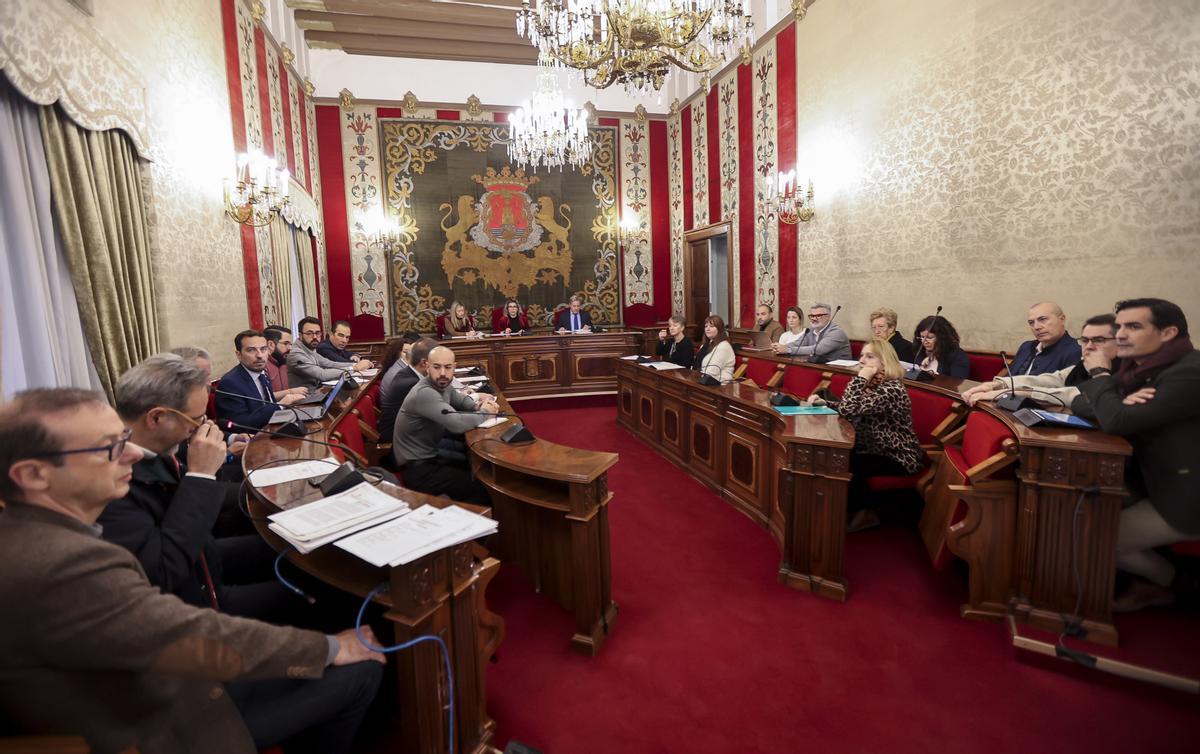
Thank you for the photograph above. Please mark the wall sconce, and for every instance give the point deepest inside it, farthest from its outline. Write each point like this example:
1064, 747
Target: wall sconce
380, 231
259, 192
630, 230
786, 202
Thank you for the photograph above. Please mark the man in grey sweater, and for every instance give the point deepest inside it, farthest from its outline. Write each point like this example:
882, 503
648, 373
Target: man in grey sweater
823, 342
431, 409
307, 368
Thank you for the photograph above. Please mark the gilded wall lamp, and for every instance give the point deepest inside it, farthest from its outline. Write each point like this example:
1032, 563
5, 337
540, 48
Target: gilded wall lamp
259, 192
786, 201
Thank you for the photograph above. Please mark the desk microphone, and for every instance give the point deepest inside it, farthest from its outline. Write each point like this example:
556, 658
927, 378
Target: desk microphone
916, 373
815, 358
1012, 402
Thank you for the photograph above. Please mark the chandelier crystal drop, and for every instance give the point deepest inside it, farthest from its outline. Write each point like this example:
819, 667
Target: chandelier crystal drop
546, 131
636, 43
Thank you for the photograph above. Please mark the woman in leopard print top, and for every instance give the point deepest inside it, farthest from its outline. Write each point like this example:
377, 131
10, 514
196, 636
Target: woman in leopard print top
877, 404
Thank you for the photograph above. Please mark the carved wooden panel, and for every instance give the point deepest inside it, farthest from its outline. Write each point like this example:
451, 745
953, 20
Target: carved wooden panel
595, 366
526, 369
647, 414
671, 428
625, 398
702, 442
744, 455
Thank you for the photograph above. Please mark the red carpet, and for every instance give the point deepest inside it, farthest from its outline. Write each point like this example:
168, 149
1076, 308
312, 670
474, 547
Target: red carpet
710, 654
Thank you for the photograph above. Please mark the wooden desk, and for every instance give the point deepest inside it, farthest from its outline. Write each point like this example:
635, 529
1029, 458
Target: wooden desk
788, 474
441, 594
552, 505
527, 366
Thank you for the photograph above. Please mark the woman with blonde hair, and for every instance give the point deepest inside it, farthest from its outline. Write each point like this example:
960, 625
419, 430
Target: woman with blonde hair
876, 402
715, 358
459, 321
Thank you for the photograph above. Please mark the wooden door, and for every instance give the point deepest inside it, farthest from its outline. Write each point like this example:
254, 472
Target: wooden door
698, 305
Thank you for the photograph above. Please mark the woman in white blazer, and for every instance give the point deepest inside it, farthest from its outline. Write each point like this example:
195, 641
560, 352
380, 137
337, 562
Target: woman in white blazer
715, 357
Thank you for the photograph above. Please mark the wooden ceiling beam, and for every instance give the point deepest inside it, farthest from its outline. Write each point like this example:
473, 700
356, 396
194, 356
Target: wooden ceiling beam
423, 47
413, 10
395, 27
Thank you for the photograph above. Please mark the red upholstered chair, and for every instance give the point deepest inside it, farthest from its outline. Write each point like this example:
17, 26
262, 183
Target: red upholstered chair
211, 411
347, 432
856, 348
441, 325
1190, 549
985, 366
801, 381
367, 327
838, 382
934, 415
761, 372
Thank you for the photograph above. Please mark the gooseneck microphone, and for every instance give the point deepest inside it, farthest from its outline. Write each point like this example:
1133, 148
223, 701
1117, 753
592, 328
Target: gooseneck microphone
286, 435
819, 359
342, 478
1012, 402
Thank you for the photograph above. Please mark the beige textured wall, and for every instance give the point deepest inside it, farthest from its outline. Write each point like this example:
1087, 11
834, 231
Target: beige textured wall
160, 65
988, 154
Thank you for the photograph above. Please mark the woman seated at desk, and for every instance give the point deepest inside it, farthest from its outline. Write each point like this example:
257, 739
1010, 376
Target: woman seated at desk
935, 348
715, 358
511, 319
459, 323
673, 344
876, 403
793, 328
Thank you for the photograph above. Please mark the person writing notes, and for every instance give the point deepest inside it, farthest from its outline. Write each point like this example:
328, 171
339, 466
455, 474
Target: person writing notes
459, 322
935, 345
715, 358
673, 344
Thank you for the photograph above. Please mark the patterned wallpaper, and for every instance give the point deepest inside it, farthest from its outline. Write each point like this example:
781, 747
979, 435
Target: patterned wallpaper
1007, 153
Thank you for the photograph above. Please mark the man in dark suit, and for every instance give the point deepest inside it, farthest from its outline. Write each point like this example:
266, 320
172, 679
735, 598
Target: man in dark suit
574, 318
334, 347
398, 380
1154, 401
1052, 347
89, 647
250, 381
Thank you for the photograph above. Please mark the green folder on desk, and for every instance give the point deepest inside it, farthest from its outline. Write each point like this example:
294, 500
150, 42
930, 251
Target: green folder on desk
804, 410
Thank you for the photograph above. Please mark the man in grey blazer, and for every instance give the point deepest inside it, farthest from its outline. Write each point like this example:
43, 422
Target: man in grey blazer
306, 367
822, 342
1153, 399
89, 647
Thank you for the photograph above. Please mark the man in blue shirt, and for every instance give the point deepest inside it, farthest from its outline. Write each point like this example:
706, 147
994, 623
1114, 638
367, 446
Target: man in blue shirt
1052, 347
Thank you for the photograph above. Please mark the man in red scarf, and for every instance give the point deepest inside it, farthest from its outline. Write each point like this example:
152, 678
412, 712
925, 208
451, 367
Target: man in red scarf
1153, 400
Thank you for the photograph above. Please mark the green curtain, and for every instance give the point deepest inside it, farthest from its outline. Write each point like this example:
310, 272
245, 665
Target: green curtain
100, 207
308, 274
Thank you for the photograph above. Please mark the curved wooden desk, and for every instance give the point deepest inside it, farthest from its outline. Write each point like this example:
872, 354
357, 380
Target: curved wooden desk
441, 594
552, 505
547, 364
787, 473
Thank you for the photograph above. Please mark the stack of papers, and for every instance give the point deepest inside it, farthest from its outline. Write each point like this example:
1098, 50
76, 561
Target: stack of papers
421, 532
493, 422
307, 527
663, 366
843, 363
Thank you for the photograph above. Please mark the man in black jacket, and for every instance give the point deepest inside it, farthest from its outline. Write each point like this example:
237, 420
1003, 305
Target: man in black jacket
1154, 401
166, 518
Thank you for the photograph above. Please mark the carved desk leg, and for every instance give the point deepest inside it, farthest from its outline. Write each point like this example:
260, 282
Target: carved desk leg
591, 588
812, 493
1069, 514
985, 538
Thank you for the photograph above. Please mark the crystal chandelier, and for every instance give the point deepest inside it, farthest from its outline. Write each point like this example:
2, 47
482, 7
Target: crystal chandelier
259, 192
546, 131
636, 42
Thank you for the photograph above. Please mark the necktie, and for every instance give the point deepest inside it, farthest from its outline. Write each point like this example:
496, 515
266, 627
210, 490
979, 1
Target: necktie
264, 385
574, 321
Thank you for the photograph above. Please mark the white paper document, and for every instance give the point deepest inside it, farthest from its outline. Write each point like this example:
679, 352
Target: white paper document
337, 513
842, 363
469, 380
423, 531
493, 422
635, 357
663, 366
368, 373
306, 546
293, 471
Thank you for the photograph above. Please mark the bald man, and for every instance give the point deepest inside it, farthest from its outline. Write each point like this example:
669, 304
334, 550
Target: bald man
1052, 347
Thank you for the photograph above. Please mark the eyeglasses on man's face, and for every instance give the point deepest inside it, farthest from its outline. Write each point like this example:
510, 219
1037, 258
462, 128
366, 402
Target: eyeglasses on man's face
1098, 341
114, 449
814, 316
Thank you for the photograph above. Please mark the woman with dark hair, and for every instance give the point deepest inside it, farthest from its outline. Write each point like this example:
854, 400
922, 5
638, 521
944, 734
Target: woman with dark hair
935, 348
793, 324
511, 319
397, 350
715, 357
673, 344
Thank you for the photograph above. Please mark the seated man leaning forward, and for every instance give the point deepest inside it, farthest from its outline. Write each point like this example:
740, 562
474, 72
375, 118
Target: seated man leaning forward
1153, 400
1056, 389
89, 647
431, 410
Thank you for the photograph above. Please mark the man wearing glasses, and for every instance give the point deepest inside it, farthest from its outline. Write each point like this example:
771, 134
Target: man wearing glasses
167, 515
89, 646
306, 367
824, 341
1052, 347
1058, 388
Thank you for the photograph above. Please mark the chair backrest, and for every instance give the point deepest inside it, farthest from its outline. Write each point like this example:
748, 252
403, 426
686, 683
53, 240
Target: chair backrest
211, 411
347, 432
985, 367
368, 411
441, 325
838, 382
760, 370
929, 410
856, 347
367, 327
984, 437
801, 381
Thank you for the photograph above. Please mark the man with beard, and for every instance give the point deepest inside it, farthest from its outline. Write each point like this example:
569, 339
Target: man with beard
307, 368
432, 409
245, 395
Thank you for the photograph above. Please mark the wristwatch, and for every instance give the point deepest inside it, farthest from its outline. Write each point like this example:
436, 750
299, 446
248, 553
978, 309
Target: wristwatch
1097, 371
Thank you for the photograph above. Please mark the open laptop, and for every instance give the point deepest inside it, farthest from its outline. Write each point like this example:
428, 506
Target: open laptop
759, 341
305, 413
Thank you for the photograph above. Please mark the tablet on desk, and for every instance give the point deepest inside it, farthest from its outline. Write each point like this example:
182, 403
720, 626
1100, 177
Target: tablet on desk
1032, 417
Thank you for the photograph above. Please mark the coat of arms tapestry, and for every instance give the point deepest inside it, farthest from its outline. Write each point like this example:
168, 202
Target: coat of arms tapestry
476, 229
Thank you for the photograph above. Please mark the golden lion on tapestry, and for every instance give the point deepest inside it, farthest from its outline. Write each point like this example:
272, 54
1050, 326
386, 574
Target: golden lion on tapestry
506, 239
